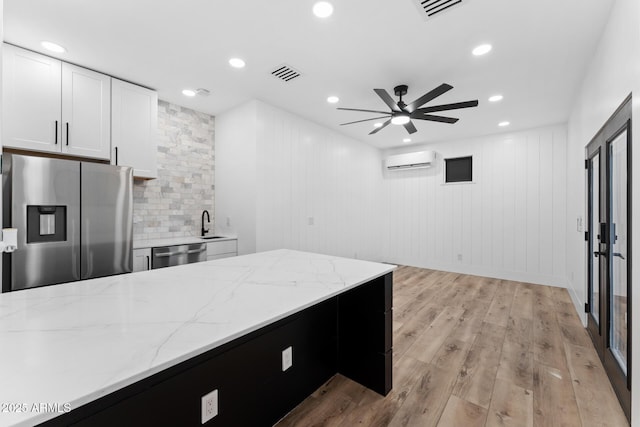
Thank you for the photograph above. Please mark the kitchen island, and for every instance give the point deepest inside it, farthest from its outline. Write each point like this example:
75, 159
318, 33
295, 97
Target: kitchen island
146, 347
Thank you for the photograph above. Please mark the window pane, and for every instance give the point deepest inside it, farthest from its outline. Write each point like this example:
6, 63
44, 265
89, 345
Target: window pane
458, 170
594, 300
618, 248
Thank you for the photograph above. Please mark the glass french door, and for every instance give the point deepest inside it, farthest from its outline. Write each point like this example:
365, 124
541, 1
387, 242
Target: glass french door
609, 249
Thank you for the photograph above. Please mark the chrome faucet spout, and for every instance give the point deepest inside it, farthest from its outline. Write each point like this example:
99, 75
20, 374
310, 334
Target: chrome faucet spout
202, 229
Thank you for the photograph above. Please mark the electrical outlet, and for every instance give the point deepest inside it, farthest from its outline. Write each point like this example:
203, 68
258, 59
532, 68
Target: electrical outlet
287, 358
228, 222
209, 406
459, 257
310, 220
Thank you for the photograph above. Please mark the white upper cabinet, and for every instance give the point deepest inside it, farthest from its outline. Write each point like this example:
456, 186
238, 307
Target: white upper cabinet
134, 121
86, 102
31, 107
54, 107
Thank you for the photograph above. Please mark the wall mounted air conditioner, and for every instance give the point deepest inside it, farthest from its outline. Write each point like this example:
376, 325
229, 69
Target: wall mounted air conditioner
419, 159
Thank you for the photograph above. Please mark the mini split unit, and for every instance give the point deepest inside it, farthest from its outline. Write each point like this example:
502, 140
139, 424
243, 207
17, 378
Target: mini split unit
419, 159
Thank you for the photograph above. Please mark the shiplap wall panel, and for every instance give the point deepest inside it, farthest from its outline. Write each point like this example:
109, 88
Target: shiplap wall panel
546, 249
508, 223
307, 171
559, 158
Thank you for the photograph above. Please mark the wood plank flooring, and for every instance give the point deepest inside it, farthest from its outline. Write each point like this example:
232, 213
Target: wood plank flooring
474, 351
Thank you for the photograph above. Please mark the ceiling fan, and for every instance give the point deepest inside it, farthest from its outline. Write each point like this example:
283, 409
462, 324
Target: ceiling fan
402, 113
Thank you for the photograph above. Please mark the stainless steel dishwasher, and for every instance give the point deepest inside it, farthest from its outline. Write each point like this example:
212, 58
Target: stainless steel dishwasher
168, 256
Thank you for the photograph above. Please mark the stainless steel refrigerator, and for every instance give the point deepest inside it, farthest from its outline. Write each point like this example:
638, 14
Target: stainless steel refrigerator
74, 220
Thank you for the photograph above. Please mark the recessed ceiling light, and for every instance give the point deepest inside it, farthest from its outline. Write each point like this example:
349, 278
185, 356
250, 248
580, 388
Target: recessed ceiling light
237, 63
333, 100
495, 98
189, 92
406, 140
323, 9
503, 124
53, 47
377, 125
482, 49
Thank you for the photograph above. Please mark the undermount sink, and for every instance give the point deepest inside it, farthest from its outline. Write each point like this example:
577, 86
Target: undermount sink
212, 237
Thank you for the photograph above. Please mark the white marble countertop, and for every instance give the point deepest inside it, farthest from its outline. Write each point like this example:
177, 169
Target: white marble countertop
76, 342
154, 243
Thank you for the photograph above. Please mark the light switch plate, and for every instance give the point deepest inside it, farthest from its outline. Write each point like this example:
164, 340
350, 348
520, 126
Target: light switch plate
287, 358
209, 406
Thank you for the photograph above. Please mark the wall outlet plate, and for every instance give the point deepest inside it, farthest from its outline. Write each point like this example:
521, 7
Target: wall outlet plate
287, 358
209, 406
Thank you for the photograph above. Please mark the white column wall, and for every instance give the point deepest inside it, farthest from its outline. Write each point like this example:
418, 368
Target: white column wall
286, 182
236, 175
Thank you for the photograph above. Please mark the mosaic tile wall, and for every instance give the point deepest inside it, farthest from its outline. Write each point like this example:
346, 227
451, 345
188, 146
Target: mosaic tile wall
172, 204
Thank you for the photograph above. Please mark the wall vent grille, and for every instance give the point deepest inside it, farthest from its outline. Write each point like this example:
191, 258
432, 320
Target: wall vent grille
286, 73
431, 8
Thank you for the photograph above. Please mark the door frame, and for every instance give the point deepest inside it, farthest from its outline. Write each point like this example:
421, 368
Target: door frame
619, 122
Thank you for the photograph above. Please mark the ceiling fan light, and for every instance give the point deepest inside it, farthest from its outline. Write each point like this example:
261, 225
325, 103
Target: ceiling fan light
323, 9
400, 119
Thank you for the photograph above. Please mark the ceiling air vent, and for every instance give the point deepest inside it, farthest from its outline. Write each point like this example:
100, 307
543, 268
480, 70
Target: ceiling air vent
430, 8
285, 73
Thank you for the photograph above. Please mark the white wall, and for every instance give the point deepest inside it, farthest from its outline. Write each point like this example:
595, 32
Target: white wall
613, 74
509, 223
235, 175
277, 172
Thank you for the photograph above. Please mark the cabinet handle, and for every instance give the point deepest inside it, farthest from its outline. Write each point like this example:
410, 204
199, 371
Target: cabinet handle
148, 260
56, 143
116, 156
67, 133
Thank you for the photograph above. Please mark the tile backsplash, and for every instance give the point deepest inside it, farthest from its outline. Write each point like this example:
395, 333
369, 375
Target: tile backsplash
172, 204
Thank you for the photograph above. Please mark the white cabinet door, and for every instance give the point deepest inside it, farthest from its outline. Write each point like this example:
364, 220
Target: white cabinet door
134, 120
86, 101
141, 259
31, 110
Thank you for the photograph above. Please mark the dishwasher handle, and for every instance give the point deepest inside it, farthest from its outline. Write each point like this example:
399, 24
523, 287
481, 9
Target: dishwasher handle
168, 254
196, 251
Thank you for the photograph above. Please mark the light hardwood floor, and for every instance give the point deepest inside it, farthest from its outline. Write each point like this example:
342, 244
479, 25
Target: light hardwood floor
473, 351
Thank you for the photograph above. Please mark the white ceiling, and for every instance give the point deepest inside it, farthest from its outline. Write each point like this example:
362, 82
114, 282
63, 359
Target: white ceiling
540, 51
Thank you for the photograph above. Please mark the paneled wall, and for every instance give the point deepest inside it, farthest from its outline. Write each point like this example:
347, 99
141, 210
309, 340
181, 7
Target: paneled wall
317, 190
290, 183
171, 205
509, 223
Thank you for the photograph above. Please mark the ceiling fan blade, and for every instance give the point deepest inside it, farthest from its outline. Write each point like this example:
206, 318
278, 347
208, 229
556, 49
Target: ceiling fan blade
444, 107
384, 125
365, 120
433, 118
429, 96
387, 99
364, 111
410, 127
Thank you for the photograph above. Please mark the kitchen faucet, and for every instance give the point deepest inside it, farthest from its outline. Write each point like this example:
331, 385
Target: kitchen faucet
202, 230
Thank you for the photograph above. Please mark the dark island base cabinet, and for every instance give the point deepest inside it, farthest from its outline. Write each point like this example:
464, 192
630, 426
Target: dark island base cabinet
349, 334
